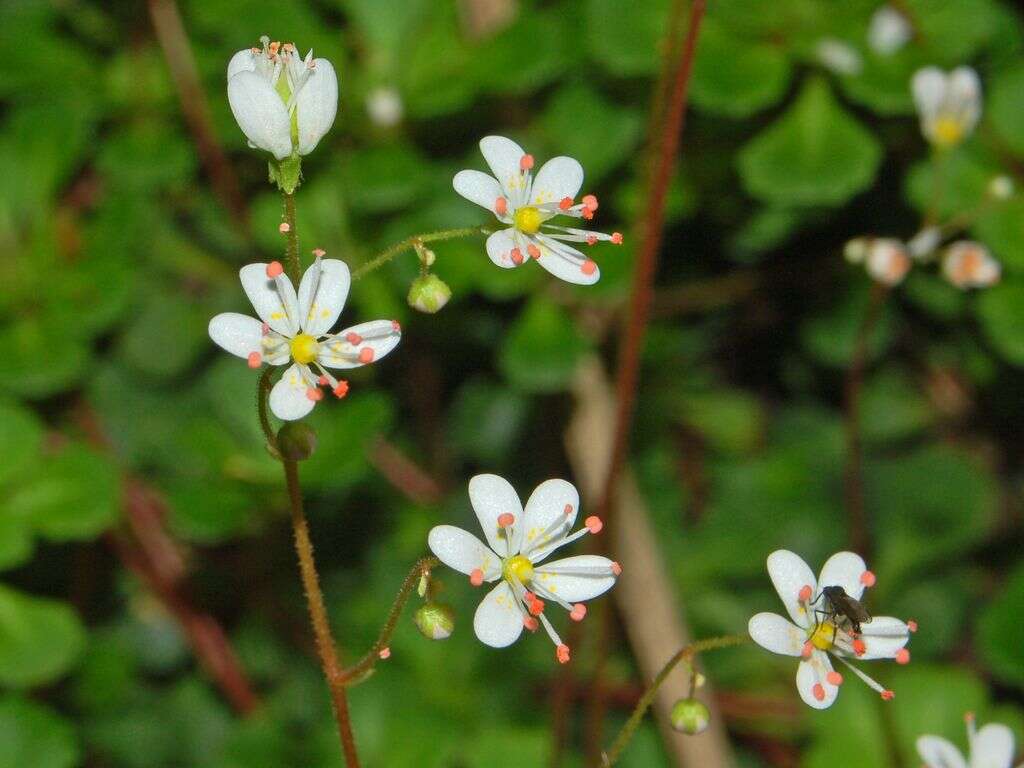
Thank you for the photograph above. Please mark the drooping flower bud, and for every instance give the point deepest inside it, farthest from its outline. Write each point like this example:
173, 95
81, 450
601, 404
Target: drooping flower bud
296, 441
435, 621
690, 716
429, 294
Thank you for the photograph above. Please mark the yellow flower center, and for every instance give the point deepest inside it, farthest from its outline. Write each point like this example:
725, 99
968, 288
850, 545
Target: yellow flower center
304, 348
519, 567
823, 636
948, 131
527, 220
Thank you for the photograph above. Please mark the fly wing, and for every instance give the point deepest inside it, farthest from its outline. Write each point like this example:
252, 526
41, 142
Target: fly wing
855, 610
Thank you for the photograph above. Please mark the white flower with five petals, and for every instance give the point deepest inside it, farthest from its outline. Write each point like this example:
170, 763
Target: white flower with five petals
517, 541
294, 329
949, 105
282, 102
526, 203
816, 638
970, 265
991, 747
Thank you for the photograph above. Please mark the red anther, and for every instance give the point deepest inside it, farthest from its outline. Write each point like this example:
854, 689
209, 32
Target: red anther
868, 579
587, 214
526, 162
819, 691
530, 623
562, 654
578, 612
501, 206
590, 202
528, 596
902, 656
354, 339
565, 203
888, 695
505, 519
588, 267
616, 569
341, 390
517, 256
319, 253
366, 355
568, 509
859, 647
591, 239
594, 524
834, 678
533, 250
912, 625
617, 238
536, 607
274, 269
284, 228
255, 360
807, 650
322, 381
396, 326
314, 394
476, 578
384, 653
805, 593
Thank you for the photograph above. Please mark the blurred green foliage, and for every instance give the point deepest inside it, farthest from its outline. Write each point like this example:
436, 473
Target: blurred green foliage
118, 249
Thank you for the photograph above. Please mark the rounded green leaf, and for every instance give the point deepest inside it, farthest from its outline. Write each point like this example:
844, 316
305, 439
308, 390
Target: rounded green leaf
36, 736
815, 154
1001, 312
1005, 107
542, 348
1001, 632
40, 639
626, 41
20, 439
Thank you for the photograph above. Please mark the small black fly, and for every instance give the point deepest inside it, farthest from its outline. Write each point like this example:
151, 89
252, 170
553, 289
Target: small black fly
838, 604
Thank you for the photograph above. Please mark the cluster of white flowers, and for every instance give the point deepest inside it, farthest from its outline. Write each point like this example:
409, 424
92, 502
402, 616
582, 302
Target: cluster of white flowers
887, 260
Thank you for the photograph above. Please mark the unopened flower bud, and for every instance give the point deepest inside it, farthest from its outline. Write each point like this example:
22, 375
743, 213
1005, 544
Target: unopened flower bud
435, 620
296, 441
429, 294
856, 249
690, 716
1000, 187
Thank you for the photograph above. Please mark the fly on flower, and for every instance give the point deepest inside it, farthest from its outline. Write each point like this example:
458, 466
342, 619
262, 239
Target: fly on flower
294, 329
517, 541
526, 204
990, 747
815, 642
949, 105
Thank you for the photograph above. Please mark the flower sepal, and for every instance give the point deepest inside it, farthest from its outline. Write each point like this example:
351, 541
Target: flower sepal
296, 441
286, 173
428, 293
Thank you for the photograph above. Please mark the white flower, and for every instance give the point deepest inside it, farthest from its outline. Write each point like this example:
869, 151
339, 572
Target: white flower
889, 30
886, 261
385, 107
524, 539
970, 265
815, 638
924, 243
526, 204
949, 105
991, 747
282, 102
838, 56
294, 330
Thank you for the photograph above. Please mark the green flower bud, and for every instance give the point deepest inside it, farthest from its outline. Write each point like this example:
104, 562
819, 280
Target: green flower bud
856, 250
435, 620
429, 293
296, 441
690, 716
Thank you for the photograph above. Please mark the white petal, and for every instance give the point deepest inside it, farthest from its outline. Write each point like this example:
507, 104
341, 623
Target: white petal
479, 188
240, 335
789, 574
883, 636
260, 113
463, 551
503, 156
318, 313
557, 577
498, 622
378, 336
547, 505
558, 178
316, 105
844, 569
776, 634
243, 61
992, 747
491, 496
288, 398
964, 95
929, 87
565, 262
814, 672
499, 248
273, 299
939, 753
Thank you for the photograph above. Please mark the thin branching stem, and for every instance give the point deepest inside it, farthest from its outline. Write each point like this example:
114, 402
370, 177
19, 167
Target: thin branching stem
410, 243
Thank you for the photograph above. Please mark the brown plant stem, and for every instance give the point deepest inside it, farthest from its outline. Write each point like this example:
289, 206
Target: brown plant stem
357, 671
853, 480
291, 251
628, 373
325, 645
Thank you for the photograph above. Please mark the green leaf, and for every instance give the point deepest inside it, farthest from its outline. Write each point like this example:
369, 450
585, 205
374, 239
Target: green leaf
1000, 631
20, 439
40, 639
542, 348
501, 67
954, 32
1005, 107
624, 41
1001, 228
832, 337
486, 418
36, 736
730, 420
734, 76
23, 341
383, 179
893, 408
999, 310
167, 336
815, 154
